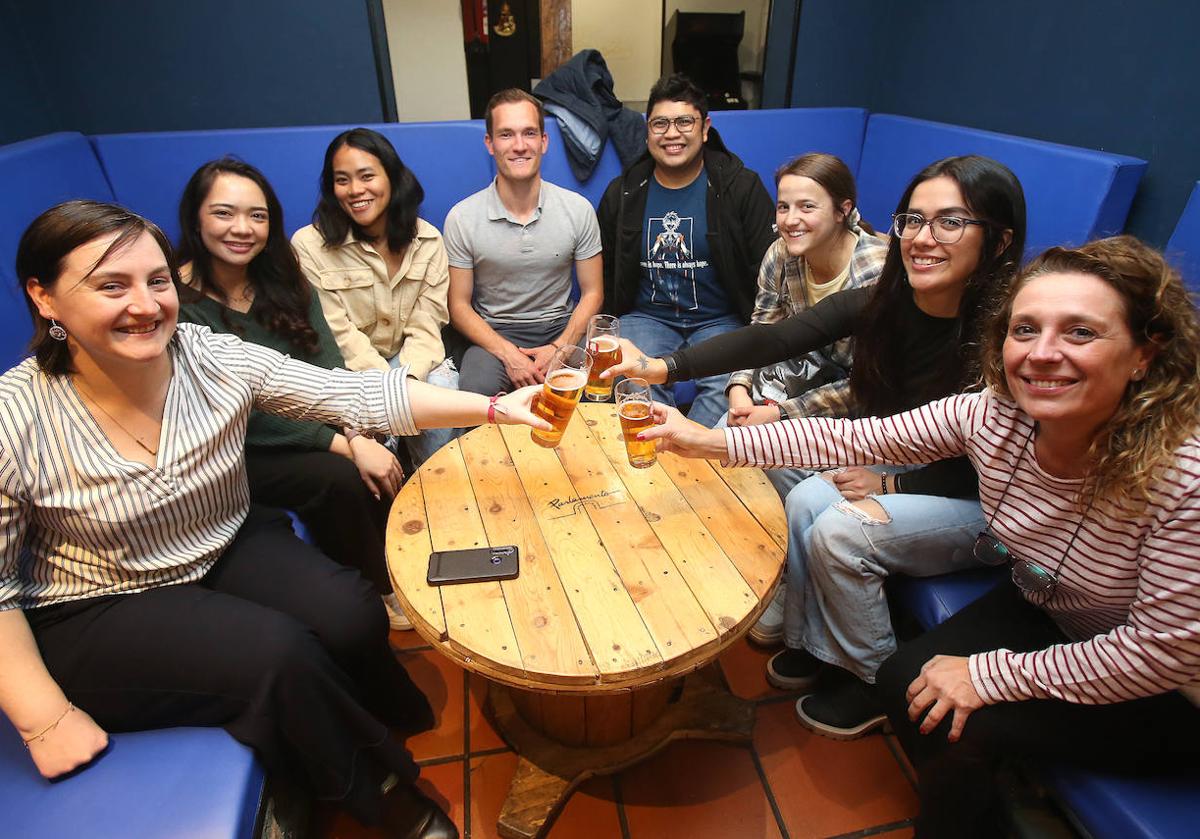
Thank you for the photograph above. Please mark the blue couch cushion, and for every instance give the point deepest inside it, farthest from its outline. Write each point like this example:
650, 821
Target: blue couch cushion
933, 599
1183, 249
767, 139
149, 171
1072, 194
194, 782
764, 140
1110, 806
37, 174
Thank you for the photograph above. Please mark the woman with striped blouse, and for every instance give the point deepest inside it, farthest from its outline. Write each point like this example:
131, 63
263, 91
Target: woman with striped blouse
1088, 452
138, 586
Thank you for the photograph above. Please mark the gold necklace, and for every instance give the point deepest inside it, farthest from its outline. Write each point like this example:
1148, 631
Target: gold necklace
121, 425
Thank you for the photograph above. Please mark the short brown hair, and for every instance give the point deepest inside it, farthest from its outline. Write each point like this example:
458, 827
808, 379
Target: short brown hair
512, 96
50, 239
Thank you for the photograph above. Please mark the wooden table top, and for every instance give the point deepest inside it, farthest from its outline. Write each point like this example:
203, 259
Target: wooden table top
628, 576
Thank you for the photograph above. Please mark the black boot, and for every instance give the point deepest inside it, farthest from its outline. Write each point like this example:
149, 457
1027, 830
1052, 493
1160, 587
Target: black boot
409, 814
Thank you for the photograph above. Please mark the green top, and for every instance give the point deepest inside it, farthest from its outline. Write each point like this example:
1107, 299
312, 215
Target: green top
265, 430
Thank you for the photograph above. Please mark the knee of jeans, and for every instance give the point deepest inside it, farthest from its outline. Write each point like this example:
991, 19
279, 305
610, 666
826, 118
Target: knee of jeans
836, 540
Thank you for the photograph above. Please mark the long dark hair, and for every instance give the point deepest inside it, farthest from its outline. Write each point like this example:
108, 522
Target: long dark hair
282, 295
331, 220
993, 194
49, 240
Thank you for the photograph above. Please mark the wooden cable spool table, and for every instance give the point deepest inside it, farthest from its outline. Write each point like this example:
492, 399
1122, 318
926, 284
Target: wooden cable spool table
630, 579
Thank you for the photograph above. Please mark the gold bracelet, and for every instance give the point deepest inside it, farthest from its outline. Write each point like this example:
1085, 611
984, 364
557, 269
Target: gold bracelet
41, 735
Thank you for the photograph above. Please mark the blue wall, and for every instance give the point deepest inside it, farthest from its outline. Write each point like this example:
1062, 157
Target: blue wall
25, 108
1117, 76
160, 65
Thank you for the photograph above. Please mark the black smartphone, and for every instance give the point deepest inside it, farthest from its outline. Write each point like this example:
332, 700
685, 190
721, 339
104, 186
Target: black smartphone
473, 565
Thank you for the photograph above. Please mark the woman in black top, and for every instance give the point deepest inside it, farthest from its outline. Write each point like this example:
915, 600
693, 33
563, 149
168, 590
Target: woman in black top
958, 234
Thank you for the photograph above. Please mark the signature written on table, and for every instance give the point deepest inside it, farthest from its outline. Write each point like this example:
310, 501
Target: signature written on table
599, 500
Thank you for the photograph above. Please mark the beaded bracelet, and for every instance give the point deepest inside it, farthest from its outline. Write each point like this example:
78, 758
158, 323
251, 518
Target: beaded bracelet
41, 735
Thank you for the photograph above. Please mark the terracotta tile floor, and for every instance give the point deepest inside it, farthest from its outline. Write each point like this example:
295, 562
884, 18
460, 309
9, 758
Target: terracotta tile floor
787, 784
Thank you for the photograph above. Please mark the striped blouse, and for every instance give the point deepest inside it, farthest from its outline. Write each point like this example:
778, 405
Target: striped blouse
77, 520
1129, 593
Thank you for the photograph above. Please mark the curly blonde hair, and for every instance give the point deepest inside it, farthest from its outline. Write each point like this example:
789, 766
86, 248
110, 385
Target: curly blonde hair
1157, 413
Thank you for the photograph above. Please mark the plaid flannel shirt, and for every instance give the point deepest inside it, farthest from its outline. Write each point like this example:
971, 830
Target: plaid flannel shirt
782, 293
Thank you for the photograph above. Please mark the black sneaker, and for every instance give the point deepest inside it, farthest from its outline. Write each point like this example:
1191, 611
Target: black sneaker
793, 669
845, 712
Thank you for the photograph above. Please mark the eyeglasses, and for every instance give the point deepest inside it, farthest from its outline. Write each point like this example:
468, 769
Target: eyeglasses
1032, 579
683, 124
946, 229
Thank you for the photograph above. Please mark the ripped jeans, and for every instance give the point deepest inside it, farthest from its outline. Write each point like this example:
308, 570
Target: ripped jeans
839, 557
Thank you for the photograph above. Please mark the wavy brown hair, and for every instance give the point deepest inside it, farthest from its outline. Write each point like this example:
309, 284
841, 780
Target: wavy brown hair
1138, 442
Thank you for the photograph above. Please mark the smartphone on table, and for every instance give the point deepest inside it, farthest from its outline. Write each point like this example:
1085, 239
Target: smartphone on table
473, 565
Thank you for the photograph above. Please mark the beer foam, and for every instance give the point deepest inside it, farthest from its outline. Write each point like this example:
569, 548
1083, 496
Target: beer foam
567, 379
604, 343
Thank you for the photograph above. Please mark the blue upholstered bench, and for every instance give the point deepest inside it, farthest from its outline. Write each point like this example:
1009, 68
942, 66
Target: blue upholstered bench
193, 782
1183, 248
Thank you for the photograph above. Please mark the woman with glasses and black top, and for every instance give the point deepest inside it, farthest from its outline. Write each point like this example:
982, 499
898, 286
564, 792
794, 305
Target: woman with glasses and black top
1087, 445
958, 234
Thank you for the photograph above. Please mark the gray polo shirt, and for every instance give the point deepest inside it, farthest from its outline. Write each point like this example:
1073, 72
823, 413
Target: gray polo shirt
522, 271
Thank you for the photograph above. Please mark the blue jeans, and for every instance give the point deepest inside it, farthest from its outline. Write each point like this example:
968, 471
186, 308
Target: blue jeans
657, 339
422, 447
838, 559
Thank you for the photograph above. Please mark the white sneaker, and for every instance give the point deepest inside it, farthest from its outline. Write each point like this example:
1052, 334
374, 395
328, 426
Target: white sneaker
769, 629
396, 616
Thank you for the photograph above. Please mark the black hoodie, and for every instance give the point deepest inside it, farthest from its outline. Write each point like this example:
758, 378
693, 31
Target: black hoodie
740, 216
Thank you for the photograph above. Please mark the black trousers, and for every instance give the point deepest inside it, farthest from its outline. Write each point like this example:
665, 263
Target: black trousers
283, 648
959, 796
327, 493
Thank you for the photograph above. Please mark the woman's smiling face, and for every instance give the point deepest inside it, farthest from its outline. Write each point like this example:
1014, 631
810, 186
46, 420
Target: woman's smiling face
1069, 355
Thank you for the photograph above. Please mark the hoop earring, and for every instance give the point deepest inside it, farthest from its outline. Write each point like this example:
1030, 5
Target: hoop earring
56, 331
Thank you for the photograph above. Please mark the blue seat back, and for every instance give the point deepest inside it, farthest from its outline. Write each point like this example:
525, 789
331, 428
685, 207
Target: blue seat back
557, 170
765, 140
148, 171
37, 174
1072, 194
1183, 248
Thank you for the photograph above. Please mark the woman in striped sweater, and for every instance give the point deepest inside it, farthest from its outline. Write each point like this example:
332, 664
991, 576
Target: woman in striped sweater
139, 588
1088, 452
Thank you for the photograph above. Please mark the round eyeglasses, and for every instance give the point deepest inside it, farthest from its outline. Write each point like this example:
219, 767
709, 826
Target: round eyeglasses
946, 230
683, 124
1035, 581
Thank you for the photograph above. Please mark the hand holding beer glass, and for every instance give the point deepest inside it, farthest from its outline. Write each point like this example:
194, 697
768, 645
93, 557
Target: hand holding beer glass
566, 377
603, 344
636, 410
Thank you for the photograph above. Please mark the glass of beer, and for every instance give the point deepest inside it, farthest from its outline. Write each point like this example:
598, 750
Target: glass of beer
604, 346
634, 408
566, 378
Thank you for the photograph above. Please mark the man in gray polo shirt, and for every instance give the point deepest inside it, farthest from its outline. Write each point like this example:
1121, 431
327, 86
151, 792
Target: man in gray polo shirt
511, 248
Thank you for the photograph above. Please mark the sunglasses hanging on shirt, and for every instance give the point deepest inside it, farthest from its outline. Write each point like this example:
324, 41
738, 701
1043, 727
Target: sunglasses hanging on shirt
1035, 581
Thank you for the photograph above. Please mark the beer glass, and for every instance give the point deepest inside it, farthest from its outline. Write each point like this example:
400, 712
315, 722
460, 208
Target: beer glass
604, 346
566, 378
634, 408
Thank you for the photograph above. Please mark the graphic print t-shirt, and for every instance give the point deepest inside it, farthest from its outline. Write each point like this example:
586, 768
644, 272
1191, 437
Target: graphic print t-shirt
679, 286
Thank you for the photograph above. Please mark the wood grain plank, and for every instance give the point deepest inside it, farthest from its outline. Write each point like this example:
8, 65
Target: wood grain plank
543, 622
743, 539
477, 617
760, 498
610, 621
676, 620
408, 547
714, 579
